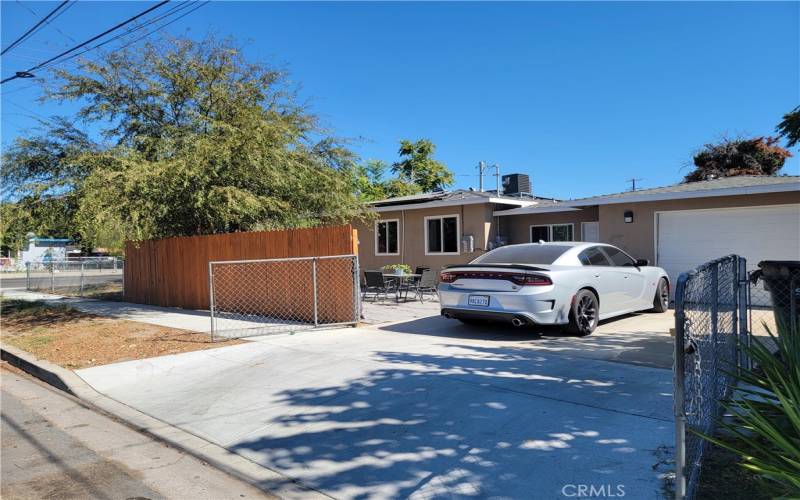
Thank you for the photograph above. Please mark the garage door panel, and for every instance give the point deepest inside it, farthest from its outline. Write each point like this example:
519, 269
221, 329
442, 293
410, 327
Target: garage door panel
686, 239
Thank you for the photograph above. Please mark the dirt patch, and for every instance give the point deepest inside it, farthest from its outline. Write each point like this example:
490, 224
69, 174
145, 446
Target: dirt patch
74, 339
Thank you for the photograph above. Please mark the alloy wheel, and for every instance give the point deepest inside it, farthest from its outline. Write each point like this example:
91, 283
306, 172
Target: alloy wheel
586, 313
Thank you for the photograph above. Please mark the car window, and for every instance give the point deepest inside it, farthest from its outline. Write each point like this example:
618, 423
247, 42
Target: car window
618, 257
523, 254
592, 256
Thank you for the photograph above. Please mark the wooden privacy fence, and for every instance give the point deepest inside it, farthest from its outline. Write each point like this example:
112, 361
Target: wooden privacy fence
173, 272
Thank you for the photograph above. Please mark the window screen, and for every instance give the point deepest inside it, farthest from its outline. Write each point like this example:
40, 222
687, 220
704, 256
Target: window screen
562, 232
442, 235
387, 237
540, 233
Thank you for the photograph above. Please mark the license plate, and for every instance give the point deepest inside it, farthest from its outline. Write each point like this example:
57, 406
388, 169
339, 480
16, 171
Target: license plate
478, 300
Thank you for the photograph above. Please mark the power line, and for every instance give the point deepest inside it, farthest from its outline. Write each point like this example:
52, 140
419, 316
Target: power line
48, 22
170, 12
41, 21
29, 73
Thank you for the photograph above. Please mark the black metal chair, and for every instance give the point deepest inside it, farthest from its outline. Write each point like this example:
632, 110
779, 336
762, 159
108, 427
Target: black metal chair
376, 285
426, 284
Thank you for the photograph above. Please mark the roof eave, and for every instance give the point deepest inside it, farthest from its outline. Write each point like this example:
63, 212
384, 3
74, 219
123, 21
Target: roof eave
704, 193
451, 203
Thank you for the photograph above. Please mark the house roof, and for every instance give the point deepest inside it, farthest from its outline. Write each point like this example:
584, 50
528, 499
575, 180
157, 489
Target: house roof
726, 186
449, 198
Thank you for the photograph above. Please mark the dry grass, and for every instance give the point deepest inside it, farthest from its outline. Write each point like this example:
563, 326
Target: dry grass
74, 339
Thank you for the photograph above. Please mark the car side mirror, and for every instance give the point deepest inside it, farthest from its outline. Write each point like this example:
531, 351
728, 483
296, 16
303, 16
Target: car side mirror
642, 262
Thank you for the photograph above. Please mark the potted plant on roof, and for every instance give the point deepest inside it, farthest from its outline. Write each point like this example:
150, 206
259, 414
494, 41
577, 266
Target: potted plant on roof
397, 269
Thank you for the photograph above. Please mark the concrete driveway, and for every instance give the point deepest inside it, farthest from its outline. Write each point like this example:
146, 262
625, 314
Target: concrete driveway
427, 408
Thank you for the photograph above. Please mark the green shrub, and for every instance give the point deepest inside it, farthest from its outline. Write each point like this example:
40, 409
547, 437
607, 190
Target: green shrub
392, 267
763, 426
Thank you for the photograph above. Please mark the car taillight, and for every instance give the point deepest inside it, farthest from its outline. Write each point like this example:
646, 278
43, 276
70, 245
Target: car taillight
517, 279
532, 280
446, 277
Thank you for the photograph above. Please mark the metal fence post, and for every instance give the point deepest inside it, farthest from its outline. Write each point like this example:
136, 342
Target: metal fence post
314, 286
678, 382
52, 278
356, 291
27, 276
81, 291
743, 305
211, 296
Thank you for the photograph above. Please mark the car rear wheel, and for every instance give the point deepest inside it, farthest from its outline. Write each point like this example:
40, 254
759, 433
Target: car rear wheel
661, 300
584, 315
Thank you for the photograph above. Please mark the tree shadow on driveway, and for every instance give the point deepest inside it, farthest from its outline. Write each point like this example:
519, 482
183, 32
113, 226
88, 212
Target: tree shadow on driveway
476, 421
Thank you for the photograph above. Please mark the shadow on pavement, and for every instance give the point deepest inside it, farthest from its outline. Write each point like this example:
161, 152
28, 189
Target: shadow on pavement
477, 421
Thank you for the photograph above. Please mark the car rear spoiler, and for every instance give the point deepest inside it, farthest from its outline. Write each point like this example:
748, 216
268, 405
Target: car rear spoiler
519, 267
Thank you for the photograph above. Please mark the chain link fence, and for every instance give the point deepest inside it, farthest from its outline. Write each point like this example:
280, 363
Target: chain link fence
771, 305
259, 297
87, 276
710, 318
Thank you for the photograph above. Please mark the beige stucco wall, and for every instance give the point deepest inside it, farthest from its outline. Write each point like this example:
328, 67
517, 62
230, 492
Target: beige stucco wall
638, 238
475, 219
517, 227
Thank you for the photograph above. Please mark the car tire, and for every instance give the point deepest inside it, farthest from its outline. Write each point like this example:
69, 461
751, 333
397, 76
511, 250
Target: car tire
584, 314
661, 299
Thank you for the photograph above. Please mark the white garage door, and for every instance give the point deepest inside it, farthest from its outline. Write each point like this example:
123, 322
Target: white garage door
686, 239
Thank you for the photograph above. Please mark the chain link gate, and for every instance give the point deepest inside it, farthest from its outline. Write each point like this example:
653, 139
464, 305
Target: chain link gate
265, 296
711, 318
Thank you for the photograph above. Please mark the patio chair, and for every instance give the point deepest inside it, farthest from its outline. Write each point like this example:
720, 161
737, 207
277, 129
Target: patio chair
426, 284
376, 285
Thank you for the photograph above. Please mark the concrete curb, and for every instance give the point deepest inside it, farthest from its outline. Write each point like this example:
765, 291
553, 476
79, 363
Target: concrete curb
269, 481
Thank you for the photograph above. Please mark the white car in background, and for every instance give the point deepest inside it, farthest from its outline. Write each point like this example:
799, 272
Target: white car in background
558, 283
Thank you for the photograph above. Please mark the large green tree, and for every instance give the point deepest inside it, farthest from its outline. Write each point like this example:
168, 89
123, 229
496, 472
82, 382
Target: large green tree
789, 127
195, 140
371, 183
732, 157
417, 165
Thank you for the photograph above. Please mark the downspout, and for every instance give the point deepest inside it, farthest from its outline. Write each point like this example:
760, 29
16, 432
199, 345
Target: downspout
403, 237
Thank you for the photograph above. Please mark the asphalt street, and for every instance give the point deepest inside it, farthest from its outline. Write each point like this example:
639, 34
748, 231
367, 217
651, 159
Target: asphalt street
54, 447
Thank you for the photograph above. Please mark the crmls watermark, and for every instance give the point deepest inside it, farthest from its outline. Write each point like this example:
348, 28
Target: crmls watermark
593, 490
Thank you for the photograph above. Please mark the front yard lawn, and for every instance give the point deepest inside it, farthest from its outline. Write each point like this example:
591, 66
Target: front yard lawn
66, 336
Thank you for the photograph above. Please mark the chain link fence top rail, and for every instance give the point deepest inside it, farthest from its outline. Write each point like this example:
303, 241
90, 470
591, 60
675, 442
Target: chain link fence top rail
259, 297
76, 276
709, 316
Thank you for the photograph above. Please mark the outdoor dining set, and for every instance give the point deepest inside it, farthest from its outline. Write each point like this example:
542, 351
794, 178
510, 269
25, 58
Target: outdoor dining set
380, 284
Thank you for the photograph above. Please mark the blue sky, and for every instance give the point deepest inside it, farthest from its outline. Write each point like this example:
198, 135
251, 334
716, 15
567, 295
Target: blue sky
581, 96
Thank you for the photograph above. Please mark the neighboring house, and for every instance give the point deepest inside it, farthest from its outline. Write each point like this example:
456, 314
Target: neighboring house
433, 229
45, 250
681, 226
676, 227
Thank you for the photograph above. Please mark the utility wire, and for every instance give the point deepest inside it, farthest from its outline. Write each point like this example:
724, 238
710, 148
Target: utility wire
28, 73
170, 12
41, 21
48, 22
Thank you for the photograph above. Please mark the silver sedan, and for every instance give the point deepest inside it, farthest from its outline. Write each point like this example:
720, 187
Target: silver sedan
559, 283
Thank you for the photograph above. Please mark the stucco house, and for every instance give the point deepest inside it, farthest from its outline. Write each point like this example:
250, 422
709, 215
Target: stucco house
433, 229
676, 227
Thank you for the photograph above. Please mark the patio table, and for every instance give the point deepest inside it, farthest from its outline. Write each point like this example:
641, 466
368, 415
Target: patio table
400, 278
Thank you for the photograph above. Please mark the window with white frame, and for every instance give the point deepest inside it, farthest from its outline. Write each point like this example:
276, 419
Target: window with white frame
552, 232
442, 235
387, 237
